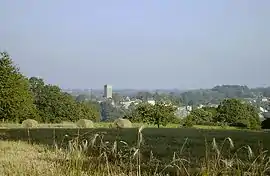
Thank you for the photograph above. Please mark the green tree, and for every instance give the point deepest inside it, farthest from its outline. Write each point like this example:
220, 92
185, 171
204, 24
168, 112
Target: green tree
16, 100
163, 114
158, 114
56, 106
212, 110
142, 112
253, 117
88, 110
200, 117
234, 112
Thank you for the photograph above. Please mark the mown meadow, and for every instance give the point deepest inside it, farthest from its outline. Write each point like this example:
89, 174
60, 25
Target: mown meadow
134, 151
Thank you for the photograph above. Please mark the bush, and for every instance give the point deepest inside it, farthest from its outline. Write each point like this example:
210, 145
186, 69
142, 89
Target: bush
177, 120
85, 123
30, 123
188, 122
200, 117
122, 123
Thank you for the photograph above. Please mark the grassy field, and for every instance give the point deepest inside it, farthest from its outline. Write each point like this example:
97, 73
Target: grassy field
107, 125
73, 125
185, 150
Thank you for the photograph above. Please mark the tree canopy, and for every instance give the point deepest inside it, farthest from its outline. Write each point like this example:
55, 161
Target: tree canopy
56, 106
234, 112
158, 114
231, 112
16, 101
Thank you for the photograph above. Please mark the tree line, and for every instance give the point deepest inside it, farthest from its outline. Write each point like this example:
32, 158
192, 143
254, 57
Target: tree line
230, 112
22, 98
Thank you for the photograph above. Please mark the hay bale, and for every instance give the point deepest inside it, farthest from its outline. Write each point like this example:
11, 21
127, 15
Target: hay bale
30, 123
85, 123
122, 123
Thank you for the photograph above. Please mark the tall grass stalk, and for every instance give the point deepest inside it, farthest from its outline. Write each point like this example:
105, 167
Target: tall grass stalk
137, 153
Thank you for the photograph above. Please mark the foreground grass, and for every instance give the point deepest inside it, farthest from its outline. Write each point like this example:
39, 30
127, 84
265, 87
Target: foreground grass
161, 142
22, 159
94, 154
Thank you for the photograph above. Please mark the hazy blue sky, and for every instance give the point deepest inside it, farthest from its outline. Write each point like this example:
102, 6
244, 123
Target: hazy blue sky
139, 43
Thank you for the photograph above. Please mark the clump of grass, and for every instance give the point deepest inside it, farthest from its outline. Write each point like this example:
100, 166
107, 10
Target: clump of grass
30, 123
122, 123
85, 123
232, 161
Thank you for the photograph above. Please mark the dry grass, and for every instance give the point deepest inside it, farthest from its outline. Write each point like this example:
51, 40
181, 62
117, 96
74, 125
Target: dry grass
20, 158
97, 156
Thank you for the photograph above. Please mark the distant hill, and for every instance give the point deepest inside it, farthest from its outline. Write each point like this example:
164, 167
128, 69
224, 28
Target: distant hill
218, 93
